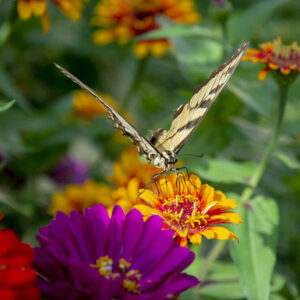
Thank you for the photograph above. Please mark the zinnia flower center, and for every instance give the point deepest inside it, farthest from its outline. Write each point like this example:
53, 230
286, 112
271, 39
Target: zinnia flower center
182, 212
289, 52
104, 264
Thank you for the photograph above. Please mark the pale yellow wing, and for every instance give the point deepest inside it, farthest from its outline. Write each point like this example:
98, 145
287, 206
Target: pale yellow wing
188, 116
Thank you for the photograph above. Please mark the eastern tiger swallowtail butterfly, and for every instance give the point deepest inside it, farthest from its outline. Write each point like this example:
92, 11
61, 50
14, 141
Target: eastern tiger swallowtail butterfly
163, 146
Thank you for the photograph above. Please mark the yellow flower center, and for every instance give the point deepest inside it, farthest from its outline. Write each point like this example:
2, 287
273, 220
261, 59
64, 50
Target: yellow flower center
288, 52
131, 282
104, 265
183, 213
131, 278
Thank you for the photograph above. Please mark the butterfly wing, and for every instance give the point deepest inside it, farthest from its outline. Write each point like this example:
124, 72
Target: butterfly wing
188, 116
142, 144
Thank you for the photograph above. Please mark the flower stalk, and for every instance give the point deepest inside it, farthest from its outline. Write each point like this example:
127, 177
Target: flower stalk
248, 191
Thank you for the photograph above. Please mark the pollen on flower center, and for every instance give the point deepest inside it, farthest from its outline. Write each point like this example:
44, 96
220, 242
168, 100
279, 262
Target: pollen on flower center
131, 282
104, 265
131, 279
182, 211
190, 209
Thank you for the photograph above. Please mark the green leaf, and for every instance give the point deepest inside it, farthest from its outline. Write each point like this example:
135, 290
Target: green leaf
225, 171
7, 200
277, 297
6, 106
8, 88
241, 25
174, 30
289, 159
221, 290
254, 255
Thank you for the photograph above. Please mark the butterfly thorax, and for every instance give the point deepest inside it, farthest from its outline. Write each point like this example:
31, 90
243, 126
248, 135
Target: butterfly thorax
166, 161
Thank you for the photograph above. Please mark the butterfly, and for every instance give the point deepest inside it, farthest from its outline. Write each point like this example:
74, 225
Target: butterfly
161, 149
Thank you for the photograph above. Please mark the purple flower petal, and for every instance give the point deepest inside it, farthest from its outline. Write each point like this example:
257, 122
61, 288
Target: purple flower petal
68, 170
91, 256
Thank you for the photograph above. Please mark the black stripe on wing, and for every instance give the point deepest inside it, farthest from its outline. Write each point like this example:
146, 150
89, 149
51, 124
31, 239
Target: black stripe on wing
210, 96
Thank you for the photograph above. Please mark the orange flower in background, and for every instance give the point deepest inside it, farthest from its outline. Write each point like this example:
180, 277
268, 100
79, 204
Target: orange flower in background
122, 21
190, 209
85, 105
78, 197
17, 278
38, 8
276, 56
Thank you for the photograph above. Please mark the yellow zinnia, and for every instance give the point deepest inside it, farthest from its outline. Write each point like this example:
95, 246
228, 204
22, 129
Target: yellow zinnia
190, 209
38, 8
78, 197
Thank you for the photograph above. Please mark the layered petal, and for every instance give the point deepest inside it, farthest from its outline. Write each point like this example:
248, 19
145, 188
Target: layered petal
106, 258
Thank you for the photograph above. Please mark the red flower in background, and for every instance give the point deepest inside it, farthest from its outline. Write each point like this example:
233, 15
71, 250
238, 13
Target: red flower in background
17, 278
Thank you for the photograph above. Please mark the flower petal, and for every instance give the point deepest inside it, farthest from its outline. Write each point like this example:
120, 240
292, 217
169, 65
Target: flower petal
220, 233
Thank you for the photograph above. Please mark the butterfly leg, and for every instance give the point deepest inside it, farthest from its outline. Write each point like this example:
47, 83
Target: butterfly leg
153, 177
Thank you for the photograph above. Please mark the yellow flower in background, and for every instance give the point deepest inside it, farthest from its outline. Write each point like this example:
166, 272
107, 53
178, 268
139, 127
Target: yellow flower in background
38, 8
78, 197
129, 166
276, 56
70, 8
121, 21
129, 176
85, 105
190, 209
26, 8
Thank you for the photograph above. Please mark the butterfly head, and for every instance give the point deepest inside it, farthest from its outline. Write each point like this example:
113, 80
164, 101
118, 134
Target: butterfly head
166, 160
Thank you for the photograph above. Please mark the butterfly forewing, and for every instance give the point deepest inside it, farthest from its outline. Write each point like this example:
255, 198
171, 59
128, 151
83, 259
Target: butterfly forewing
142, 144
188, 116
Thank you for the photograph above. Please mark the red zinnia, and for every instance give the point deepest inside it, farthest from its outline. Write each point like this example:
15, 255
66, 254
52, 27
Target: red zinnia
17, 278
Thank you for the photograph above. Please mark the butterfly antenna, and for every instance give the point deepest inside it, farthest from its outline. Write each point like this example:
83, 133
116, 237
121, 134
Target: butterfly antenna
193, 155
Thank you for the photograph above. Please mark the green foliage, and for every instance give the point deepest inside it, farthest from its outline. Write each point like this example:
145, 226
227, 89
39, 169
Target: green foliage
254, 256
40, 127
6, 106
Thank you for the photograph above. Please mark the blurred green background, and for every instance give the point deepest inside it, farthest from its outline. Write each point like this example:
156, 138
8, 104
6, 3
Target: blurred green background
39, 128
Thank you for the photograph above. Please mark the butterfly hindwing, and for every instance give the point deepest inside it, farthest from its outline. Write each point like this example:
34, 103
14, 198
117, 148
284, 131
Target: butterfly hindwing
189, 115
142, 144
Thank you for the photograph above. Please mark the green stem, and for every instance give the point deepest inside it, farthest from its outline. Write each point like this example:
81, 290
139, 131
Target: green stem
248, 191
212, 256
225, 40
142, 63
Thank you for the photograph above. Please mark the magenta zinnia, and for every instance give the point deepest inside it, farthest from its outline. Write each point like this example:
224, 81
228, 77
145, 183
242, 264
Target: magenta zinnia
190, 209
92, 256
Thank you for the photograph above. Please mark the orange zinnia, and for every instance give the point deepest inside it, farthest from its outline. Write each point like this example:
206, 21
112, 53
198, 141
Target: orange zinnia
191, 210
124, 20
276, 56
